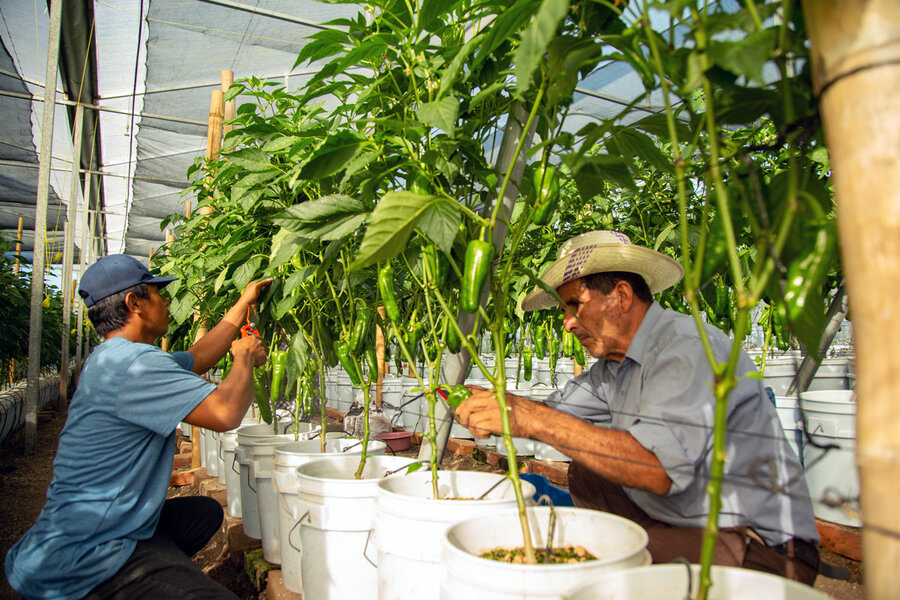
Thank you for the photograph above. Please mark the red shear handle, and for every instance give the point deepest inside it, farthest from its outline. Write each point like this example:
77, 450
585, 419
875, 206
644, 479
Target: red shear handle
250, 327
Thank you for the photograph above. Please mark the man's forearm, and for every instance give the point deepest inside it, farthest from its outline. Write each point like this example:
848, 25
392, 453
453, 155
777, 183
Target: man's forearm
209, 349
611, 453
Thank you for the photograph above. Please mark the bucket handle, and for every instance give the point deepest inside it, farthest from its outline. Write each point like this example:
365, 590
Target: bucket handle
366, 549
291, 532
234, 462
250, 479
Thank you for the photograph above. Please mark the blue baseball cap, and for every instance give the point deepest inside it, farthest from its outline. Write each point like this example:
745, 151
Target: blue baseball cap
114, 273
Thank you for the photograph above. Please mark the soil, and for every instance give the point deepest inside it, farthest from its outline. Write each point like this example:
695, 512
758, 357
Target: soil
24, 480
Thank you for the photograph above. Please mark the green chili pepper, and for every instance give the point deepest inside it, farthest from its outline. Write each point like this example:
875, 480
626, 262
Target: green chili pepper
438, 266
431, 351
807, 272
554, 352
260, 395
278, 360
412, 336
546, 187
537, 338
342, 349
372, 362
568, 343
479, 255
526, 363
386, 288
229, 362
360, 330
457, 394
579, 353
716, 249
451, 338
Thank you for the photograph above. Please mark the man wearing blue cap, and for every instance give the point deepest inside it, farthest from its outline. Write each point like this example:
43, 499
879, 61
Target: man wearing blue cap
107, 530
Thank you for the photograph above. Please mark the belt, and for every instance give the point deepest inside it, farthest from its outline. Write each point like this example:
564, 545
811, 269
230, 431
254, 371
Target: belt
805, 552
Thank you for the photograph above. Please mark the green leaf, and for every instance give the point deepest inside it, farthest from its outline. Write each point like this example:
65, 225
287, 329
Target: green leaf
326, 218
637, 144
448, 79
739, 105
220, 280
298, 277
393, 220
299, 351
246, 272
248, 199
284, 246
440, 222
414, 467
745, 57
658, 126
594, 172
536, 38
509, 21
441, 114
252, 159
338, 150
280, 143
182, 308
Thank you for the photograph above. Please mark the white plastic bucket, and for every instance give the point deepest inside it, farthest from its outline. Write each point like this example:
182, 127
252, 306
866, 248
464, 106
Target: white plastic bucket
228, 442
779, 373
391, 395
616, 542
246, 437
201, 437
412, 411
212, 452
409, 525
833, 374
345, 392
336, 525
287, 458
262, 467
671, 582
788, 411
831, 474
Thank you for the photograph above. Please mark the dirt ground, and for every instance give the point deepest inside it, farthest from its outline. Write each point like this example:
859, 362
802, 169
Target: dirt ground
24, 481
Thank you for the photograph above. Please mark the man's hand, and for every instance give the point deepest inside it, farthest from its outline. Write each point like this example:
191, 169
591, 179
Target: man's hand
251, 345
480, 413
251, 292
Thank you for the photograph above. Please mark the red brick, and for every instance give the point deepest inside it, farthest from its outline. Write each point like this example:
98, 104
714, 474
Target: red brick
839, 539
555, 472
185, 448
460, 447
276, 590
237, 542
213, 488
182, 460
334, 413
188, 477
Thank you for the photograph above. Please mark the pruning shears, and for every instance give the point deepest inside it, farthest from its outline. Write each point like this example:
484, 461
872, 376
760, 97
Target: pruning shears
251, 326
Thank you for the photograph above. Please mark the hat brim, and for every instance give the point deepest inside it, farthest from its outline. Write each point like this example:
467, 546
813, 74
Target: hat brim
658, 270
160, 282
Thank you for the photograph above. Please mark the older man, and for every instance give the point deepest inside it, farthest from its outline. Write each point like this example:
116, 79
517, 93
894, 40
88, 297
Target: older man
638, 423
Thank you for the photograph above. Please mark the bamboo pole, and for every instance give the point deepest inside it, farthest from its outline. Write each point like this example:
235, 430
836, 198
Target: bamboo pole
68, 258
855, 46
82, 261
379, 357
230, 108
32, 391
18, 248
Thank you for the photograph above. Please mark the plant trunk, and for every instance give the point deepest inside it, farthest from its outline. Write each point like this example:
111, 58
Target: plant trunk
856, 66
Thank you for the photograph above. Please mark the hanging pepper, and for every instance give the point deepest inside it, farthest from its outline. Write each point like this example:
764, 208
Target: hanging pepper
386, 288
554, 352
371, 362
579, 353
431, 351
342, 349
360, 330
526, 363
278, 359
229, 362
456, 395
479, 255
537, 338
438, 266
260, 396
546, 187
451, 339
568, 341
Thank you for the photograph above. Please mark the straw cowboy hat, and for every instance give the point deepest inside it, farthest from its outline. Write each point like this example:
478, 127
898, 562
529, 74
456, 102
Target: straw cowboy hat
600, 252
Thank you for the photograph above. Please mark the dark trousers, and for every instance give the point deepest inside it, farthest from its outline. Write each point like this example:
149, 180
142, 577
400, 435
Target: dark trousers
161, 567
735, 547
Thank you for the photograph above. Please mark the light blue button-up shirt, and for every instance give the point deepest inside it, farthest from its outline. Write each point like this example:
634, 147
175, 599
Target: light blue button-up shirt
661, 393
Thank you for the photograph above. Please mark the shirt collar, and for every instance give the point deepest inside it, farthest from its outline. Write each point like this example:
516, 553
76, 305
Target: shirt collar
638, 346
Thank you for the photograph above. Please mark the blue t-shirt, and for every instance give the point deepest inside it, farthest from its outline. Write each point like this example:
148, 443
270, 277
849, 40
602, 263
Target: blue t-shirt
111, 470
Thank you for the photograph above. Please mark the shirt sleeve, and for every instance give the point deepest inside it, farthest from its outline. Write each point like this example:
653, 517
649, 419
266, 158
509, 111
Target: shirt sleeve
582, 397
676, 412
158, 391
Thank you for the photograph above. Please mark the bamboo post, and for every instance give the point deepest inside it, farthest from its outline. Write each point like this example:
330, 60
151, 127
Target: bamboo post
68, 258
18, 248
379, 357
213, 145
855, 54
32, 391
82, 261
230, 108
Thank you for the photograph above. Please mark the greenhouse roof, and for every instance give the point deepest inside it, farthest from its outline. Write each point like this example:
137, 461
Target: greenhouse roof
149, 69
